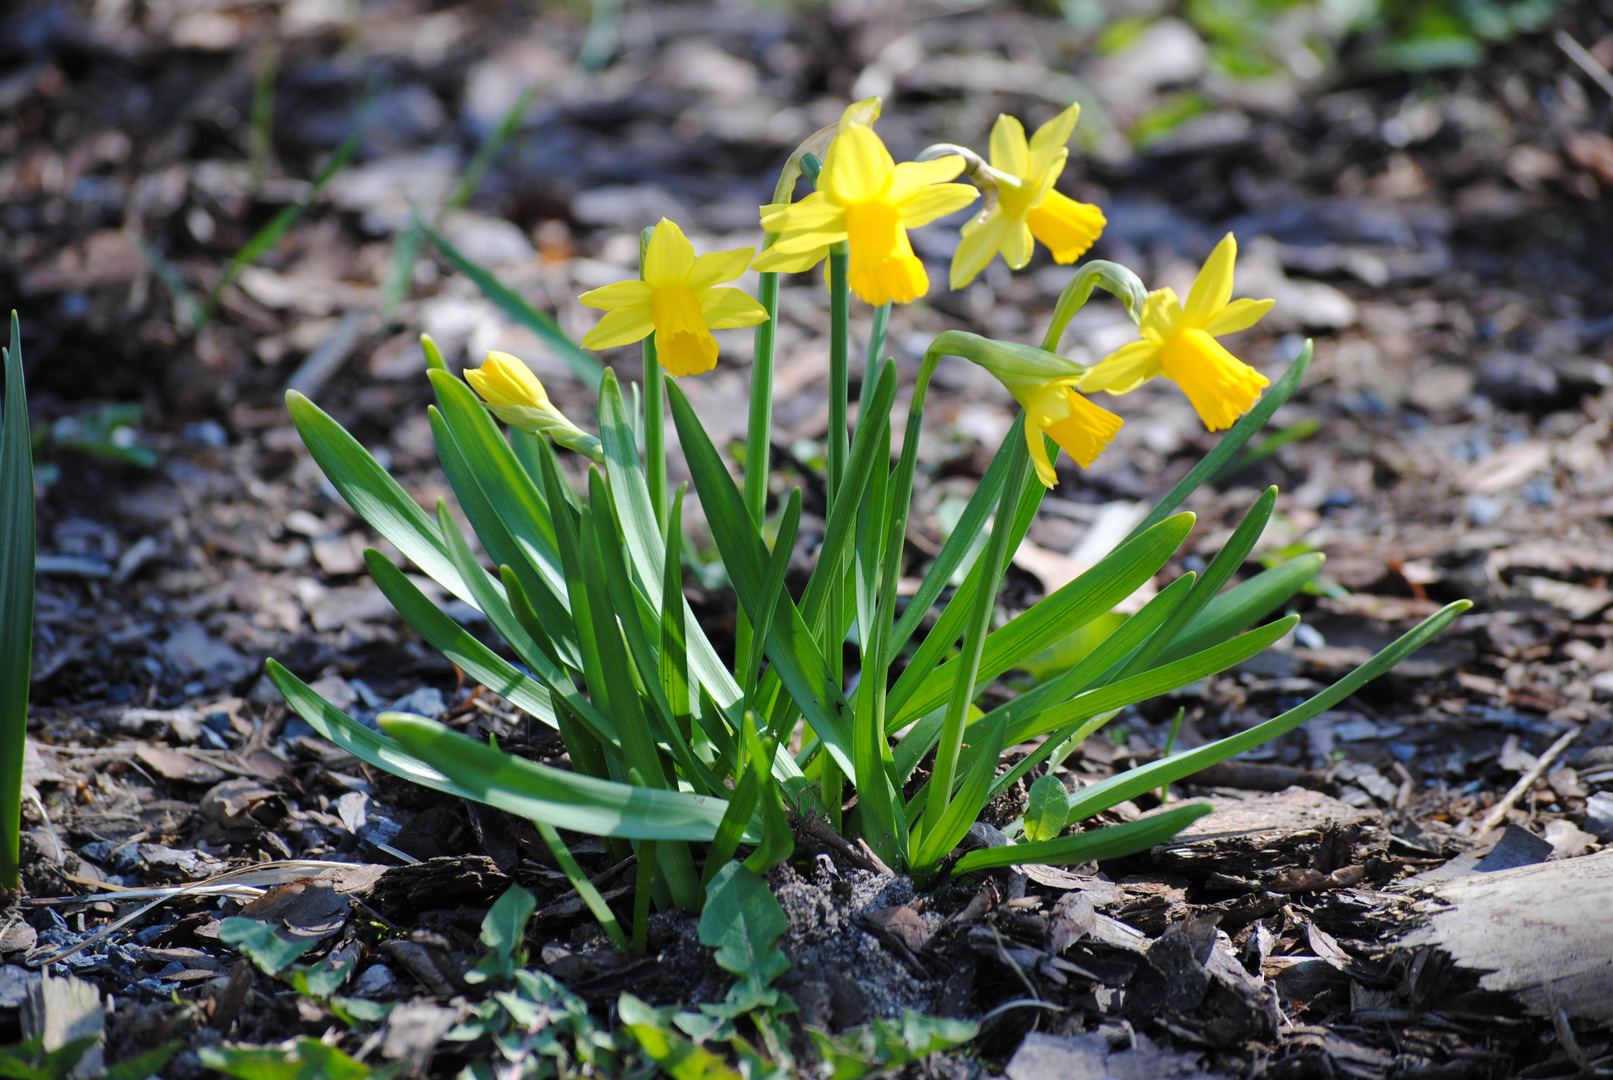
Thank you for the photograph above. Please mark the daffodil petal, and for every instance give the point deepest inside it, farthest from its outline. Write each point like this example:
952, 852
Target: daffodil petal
620, 327
1161, 317
912, 177
856, 166
937, 200
621, 294
725, 309
799, 243
1123, 370
669, 256
719, 266
981, 239
1038, 454
1213, 286
1238, 315
774, 261
816, 211
1052, 137
1220, 386
1067, 227
1017, 245
1008, 149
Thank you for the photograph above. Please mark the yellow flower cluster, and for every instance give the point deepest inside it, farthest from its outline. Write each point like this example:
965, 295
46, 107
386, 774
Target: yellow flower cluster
866, 202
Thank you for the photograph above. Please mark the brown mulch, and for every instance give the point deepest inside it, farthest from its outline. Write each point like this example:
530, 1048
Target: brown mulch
1439, 240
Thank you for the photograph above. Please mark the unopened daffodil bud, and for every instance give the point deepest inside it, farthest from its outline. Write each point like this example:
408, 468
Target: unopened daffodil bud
513, 394
677, 301
1044, 385
1178, 342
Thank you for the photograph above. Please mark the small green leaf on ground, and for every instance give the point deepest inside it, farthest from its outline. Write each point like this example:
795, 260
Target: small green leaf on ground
741, 921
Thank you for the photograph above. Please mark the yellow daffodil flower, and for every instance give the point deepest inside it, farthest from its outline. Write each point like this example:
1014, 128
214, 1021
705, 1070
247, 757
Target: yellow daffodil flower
513, 394
869, 201
1044, 385
676, 301
1179, 343
1028, 208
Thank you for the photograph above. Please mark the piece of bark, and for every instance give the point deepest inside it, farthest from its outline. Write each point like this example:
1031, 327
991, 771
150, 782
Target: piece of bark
1265, 834
1542, 933
57, 1011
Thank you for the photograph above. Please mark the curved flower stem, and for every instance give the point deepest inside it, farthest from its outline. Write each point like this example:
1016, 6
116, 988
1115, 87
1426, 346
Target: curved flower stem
1097, 274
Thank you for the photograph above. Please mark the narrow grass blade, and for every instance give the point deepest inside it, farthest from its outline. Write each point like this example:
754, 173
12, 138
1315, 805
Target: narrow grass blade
949, 627
563, 799
1227, 561
368, 746
186, 305
1116, 577
264, 240
1245, 604
553, 634
641, 529
518, 502
1152, 683
1240, 433
957, 545
1133, 632
585, 889
470, 181
456, 643
374, 495
986, 741
790, 645
584, 366
1110, 842
1133, 782
17, 553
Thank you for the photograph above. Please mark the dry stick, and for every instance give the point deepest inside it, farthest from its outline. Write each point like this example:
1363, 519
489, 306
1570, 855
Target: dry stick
1498, 812
1588, 63
861, 855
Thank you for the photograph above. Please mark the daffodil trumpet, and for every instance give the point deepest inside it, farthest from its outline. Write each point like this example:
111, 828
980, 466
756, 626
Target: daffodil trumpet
1179, 342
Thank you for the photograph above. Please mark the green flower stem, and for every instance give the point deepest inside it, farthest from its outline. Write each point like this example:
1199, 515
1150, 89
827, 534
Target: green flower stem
992, 561
655, 431
876, 349
837, 451
839, 346
759, 435
654, 409
17, 545
758, 442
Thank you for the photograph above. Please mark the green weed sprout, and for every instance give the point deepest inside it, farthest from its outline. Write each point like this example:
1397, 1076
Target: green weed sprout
690, 762
16, 604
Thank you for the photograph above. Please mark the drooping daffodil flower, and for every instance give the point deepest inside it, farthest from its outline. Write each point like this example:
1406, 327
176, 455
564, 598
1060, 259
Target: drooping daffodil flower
867, 200
677, 301
1178, 342
1028, 208
1044, 385
513, 394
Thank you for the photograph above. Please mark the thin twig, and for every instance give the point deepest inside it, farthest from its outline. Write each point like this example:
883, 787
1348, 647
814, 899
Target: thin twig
1498, 812
1588, 63
860, 856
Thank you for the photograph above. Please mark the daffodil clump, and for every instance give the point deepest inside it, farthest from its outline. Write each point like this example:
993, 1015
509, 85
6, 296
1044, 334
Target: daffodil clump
854, 702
